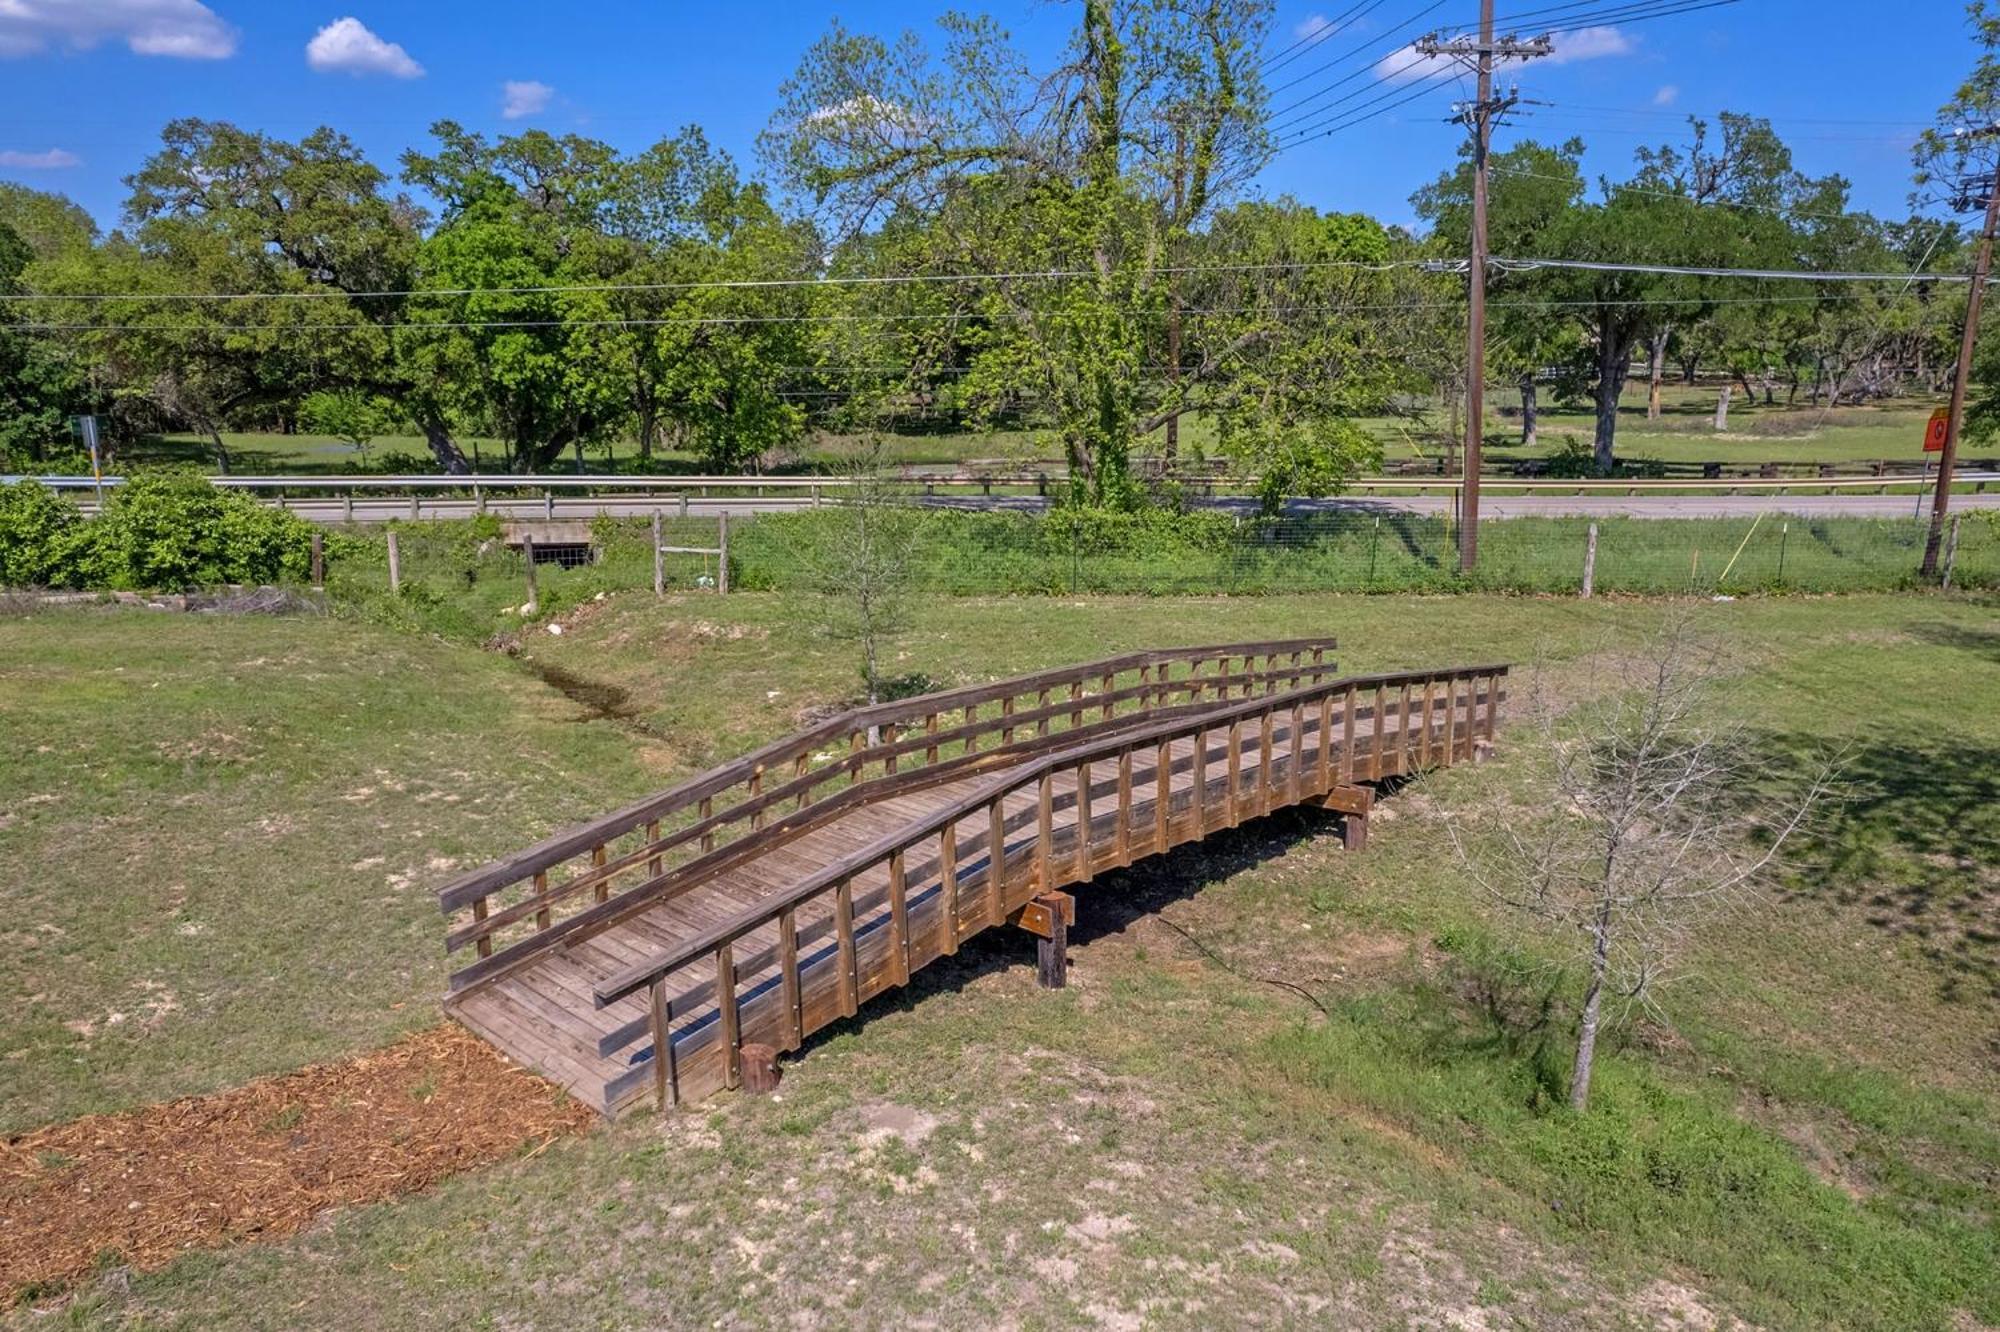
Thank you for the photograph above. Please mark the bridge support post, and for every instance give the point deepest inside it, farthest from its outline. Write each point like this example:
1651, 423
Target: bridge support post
760, 1068
1353, 804
1048, 917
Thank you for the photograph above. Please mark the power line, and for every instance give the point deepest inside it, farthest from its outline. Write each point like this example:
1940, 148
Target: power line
1776, 210
1505, 264
1429, 83
1058, 274
1349, 55
1325, 30
1319, 114
1633, 12
1676, 270
1054, 315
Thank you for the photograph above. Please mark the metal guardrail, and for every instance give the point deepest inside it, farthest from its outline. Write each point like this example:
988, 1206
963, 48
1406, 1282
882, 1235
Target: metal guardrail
476, 485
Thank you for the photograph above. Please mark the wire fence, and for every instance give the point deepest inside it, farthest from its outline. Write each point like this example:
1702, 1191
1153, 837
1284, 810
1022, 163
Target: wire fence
466, 576
987, 554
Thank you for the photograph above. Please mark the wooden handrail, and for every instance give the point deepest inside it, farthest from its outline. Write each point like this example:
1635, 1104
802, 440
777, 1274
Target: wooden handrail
480, 882
725, 933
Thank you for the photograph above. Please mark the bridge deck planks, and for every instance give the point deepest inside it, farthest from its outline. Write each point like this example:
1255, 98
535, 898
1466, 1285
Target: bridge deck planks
542, 1013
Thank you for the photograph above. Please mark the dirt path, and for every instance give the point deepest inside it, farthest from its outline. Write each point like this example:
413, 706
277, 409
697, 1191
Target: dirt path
261, 1160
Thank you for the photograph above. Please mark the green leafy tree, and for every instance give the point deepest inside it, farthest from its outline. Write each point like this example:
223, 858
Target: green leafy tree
1534, 186
1949, 161
220, 211
351, 415
519, 215
1094, 169
40, 384
715, 363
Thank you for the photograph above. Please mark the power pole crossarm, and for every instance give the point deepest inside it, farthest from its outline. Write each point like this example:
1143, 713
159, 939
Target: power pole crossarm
1479, 117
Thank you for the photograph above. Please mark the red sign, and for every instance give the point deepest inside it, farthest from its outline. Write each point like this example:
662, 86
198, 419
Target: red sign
1934, 431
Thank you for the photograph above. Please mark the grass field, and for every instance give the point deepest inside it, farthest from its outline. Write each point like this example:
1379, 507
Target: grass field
1684, 433
1172, 1141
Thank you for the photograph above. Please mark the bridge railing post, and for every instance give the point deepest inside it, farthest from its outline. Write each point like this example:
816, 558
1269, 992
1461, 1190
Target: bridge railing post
666, 1087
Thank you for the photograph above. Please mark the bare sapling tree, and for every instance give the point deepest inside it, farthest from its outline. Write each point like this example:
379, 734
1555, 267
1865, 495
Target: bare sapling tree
855, 559
1654, 819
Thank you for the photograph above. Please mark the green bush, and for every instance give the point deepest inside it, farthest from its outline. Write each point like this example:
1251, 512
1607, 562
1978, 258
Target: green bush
160, 530
43, 539
1575, 459
175, 530
1085, 531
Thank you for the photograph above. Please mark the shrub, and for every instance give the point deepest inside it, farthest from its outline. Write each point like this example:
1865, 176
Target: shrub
1088, 531
43, 538
175, 530
1576, 460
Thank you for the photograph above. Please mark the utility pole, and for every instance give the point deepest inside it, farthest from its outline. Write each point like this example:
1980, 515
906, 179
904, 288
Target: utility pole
1982, 268
1479, 117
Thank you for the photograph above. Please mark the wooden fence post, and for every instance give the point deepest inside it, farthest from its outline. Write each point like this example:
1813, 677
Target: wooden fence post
319, 561
1590, 561
659, 560
722, 551
534, 594
415, 513
395, 563
1950, 551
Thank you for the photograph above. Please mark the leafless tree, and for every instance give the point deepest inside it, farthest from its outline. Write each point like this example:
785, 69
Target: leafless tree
854, 558
1651, 818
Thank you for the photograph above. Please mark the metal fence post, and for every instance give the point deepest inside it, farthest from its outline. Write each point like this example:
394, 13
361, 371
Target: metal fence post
1590, 561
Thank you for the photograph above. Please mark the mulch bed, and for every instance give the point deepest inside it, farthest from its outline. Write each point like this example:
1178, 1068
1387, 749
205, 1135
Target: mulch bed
261, 1160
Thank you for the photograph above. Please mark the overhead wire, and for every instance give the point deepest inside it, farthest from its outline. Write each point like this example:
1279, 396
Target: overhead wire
1054, 315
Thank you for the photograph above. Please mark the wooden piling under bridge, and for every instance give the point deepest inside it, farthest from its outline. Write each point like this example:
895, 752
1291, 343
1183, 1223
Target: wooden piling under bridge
632, 958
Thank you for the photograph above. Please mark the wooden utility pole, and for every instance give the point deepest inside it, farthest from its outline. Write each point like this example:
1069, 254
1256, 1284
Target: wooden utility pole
1982, 268
1479, 117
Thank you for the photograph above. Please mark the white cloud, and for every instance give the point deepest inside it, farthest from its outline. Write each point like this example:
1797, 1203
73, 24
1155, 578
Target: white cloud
1667, 95
53, 158
523, 97
346, 46
186, 29
1591, 44
1313, 26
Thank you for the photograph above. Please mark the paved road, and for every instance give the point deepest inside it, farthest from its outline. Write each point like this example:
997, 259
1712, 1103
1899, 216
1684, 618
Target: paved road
1491, 506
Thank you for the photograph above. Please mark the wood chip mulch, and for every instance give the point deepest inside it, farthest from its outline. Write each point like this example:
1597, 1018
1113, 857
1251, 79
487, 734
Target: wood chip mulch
261, 1160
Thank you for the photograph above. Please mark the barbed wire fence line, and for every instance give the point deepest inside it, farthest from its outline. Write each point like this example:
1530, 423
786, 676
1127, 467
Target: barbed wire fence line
468, 573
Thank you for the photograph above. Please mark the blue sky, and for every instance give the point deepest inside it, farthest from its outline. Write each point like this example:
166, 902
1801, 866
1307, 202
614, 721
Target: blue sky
86, 84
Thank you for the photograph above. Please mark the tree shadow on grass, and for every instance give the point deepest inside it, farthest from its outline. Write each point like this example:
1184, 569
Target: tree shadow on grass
1912, 842
1107, 906
1979, 642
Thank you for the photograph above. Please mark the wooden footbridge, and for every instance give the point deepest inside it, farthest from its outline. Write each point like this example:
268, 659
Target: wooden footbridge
636, 956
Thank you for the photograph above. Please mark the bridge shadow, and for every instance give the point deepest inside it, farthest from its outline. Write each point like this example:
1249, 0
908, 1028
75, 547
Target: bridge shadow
1106, 907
